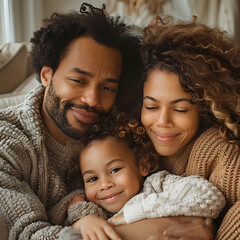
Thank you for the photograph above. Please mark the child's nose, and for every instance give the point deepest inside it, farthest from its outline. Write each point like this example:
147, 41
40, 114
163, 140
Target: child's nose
106, 183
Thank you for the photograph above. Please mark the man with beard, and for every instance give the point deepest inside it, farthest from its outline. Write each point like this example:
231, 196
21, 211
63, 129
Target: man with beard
84, 61
87, 62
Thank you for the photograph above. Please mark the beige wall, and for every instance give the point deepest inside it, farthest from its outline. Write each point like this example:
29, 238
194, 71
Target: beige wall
28, 15
50, 6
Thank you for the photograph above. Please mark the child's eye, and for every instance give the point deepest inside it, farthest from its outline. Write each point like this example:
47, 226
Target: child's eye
92, 179
115, 170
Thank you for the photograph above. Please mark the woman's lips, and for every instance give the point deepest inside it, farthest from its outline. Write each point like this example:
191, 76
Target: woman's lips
84, 116
165, 137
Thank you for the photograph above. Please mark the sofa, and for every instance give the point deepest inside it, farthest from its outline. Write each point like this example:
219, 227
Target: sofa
16, 73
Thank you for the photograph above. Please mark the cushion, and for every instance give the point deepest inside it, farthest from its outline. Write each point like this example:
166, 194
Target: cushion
18, 95
29, 83
13, 65
3, 230
11, 99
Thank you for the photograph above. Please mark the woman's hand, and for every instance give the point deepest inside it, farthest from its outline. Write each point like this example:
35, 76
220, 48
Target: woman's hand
95, 228
77, 198
117, 220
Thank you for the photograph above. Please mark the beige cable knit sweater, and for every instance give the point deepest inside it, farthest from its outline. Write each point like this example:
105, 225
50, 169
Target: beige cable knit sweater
162, 195
213, 158
31, 180
33, 196
218, 161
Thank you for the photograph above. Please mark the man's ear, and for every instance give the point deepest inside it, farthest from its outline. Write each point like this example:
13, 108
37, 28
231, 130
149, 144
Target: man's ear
46, 75
143, 170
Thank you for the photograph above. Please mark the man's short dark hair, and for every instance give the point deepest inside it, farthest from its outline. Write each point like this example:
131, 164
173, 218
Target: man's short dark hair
50, 43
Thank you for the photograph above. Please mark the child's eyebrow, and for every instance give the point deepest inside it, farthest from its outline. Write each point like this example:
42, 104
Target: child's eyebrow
87, 172
113, 161
106, 165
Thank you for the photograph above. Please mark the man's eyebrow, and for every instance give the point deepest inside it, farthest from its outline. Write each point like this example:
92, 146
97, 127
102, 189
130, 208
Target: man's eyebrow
78, 70
172, 102
88, 74
112, 80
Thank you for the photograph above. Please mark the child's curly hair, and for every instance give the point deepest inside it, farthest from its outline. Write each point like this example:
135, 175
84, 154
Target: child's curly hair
119, 126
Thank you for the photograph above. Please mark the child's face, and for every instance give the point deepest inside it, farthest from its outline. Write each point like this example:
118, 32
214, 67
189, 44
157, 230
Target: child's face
111, 174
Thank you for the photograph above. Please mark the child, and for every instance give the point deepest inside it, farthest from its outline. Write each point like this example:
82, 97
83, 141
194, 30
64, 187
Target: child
120, 171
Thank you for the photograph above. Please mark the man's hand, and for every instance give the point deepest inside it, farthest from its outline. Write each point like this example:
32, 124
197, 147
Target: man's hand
95, 228
196, 229
117, 220
168, 228
77, 198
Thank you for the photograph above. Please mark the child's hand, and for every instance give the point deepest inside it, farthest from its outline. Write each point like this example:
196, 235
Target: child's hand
117, 220
95, 228
77, 198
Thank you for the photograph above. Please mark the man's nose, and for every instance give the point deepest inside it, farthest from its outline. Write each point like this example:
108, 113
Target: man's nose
91, 97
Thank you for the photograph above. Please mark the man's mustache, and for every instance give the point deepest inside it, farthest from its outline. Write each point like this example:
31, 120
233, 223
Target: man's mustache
86, 107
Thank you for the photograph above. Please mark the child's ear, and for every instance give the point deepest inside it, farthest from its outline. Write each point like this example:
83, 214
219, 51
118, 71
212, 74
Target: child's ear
143, 170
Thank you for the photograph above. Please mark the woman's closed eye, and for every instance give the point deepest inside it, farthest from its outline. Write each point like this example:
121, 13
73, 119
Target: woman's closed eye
181, 110
151, 107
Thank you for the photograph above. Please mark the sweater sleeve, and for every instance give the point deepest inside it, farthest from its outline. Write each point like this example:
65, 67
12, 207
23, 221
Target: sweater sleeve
189, 196
79, 210
23, 211
219, 162
230, 228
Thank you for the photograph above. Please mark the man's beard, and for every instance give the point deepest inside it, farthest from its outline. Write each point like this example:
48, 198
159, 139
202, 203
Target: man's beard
59, 115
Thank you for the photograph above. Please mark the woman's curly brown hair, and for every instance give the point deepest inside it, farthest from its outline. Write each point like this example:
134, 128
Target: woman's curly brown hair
207, 62
122, 128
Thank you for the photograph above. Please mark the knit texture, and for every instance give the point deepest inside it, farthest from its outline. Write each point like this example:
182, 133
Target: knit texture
33, 195
81, 209
164, 194
218, 161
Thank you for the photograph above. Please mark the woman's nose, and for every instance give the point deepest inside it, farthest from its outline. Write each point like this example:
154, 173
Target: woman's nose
164, 119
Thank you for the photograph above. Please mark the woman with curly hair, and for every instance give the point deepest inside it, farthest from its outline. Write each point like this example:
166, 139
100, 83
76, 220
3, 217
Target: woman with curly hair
120, 171
191, 107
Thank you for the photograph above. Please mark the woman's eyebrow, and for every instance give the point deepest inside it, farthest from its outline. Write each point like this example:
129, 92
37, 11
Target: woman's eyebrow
171, 102
182, 100
150, 98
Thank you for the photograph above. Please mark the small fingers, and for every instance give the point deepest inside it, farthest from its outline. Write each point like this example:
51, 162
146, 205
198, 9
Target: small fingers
111, 233
102, 236
92, 236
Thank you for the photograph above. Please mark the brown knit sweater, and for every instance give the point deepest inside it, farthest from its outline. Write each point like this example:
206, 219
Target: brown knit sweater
218, 161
